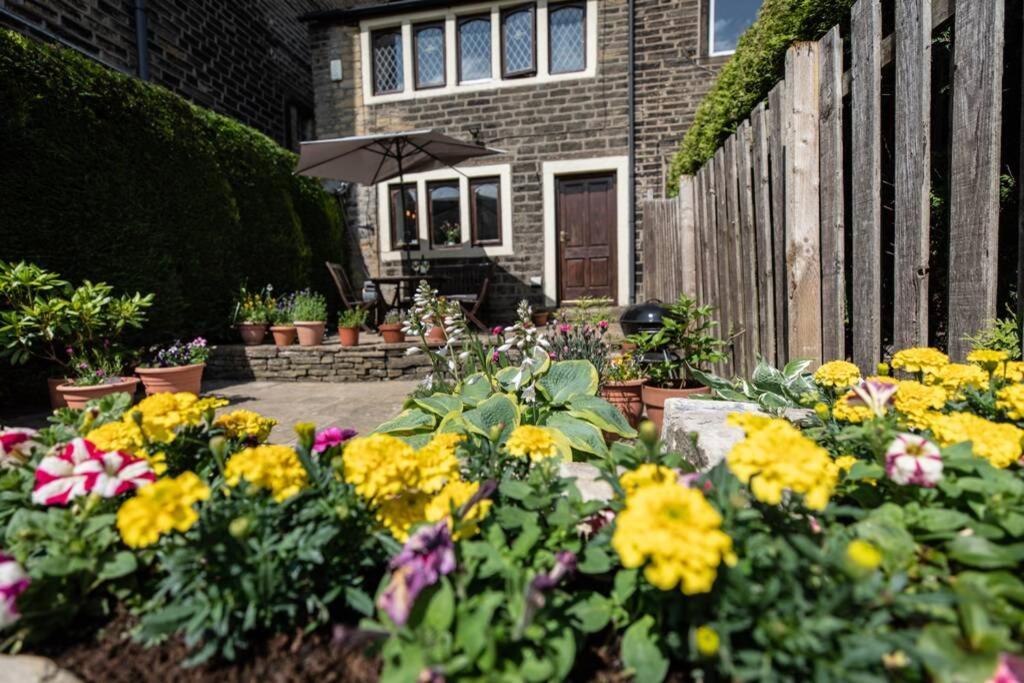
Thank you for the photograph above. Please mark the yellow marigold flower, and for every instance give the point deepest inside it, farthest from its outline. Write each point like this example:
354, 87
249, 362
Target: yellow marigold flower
675, 534
162, 414
989, 359
884, 379
845, 463
999, 443
921, 359
646, 475
956, 377
863, 555
845, 411
536, 443
748, 422
399, 514
453, 496
1011, 401
706, 640
915, 402
240, 424
778, 458
117, 436
161, 507
437, 462
275, 468
379, 466
1012, 371
837, 374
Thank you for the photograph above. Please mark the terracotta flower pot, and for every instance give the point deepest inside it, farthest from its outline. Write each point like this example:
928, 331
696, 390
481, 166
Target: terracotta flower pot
284, 335
187, 378
252, 333
655, 397
56, 399
77, 397
627, 397
540, 318
392, 333
436, 333
311, 333
349, 336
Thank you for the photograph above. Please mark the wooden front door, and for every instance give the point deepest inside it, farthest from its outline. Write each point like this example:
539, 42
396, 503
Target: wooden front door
586, 218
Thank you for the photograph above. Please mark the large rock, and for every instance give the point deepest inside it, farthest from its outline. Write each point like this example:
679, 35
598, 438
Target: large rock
586, 476
32, 669
698, 429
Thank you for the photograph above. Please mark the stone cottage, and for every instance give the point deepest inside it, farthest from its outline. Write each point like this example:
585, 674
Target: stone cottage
587, 98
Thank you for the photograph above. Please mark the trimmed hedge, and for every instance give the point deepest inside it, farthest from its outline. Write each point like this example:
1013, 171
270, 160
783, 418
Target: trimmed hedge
757, 65
106, 177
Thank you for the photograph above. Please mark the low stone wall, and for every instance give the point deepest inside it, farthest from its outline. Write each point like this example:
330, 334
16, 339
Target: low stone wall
326, 363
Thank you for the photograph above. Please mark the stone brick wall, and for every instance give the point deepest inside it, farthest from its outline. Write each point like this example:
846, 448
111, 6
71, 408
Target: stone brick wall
327, 363
248, 60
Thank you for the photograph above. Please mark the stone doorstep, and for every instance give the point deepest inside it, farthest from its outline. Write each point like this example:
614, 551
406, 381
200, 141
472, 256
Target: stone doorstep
698, 429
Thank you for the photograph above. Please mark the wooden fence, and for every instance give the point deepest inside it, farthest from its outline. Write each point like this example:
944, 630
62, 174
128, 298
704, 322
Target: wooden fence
813, 228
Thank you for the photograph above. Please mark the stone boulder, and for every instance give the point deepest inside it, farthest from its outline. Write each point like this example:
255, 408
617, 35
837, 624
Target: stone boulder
32, 669
586, 476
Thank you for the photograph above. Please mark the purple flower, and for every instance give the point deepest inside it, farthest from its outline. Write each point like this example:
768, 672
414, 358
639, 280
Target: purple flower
13, 582
331, 437
428, 555
495, 357
603, 324
565, 328
498, 329
565, 564
874, 395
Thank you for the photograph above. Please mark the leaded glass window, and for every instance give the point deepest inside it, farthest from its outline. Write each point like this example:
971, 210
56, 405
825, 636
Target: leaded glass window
518, 55
475, 48
387, 61
567, 38
428, 49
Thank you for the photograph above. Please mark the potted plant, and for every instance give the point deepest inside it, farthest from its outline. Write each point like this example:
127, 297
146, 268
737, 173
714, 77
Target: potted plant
45, 317
540, 317
451, 233
252, 315
684, 341
348, 326
391, 328
96, 373
175, 368
622, 386
309, 312
281, 327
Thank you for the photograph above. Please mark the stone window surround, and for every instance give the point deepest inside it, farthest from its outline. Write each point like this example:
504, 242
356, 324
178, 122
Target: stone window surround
466, 249
554, 169
449, 17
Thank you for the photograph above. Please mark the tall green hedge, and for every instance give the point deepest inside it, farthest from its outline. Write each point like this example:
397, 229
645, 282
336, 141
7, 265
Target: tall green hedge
757, 65
106, 177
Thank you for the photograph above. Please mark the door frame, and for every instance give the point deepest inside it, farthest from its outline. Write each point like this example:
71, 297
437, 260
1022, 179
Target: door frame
624, 261
613, 255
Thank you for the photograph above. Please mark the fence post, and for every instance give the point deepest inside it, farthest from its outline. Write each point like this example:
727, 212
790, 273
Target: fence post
777, 152
833, 258
803, 250
688, 238
974, 176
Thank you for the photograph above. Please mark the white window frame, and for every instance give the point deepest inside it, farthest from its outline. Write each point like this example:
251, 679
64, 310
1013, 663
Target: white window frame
711, 33
466, 249
449, 16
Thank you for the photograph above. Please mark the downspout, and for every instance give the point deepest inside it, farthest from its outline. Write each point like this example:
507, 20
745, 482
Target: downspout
631, 145
142, 39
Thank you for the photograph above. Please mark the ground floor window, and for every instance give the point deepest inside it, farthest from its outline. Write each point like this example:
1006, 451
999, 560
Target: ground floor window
403, 212
443, 207
485, 213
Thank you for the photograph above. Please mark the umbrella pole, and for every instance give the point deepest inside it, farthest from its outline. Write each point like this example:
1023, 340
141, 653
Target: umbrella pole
407, 258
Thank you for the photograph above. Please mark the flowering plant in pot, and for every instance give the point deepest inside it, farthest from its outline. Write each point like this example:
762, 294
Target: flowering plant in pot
46, 318
174, 368
252, 314
309, 313
96, 373
281, 317
684, 341
348, 326
391, 328
622, 385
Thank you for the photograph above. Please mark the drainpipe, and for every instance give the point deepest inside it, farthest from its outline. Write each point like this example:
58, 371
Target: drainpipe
142, 39
631, 145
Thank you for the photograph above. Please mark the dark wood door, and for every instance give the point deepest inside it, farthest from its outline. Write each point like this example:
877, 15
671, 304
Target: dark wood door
586, 218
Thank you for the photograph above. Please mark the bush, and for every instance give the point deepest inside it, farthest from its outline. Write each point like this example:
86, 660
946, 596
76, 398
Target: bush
757, 65
110, 178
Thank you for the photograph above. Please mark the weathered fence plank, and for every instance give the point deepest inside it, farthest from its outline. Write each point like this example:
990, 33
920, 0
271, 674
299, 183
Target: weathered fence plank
702, 247
688, 236
736, 303
722, 231
763, 233
866, 183
974, 173
913, 172
830, 130
803, 215
748, 246
777, 160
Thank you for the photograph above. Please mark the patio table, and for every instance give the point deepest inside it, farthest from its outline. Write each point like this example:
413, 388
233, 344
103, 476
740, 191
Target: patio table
399, 281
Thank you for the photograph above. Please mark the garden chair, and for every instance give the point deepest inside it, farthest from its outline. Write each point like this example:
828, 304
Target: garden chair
348, 298
467, 284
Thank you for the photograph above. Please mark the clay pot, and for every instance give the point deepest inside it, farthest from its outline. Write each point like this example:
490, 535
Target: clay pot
628, 346
187, 378
627, 397
252, 333
349, 336
540, 318
77, 397
56, 399
435, 334
392, 333
284, 335
311, 332
655, 397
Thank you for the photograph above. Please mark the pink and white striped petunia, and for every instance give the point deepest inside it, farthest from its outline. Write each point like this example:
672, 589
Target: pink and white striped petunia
913, 459
82, 468
16, 446
13, 582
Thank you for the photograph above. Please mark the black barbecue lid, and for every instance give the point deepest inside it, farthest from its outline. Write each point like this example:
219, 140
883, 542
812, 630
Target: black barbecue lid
647, 314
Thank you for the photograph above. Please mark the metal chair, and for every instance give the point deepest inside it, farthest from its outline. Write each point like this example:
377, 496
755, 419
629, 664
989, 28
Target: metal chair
347, 294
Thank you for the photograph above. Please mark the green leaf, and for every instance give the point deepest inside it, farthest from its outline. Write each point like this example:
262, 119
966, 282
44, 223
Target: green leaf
439, 608
625, 585
601, 414
976, 551
591, 614
473, 629
641, 654
514, 489
497, 410
440, 404
408, 422
595, 561
122, 564
567, 379
475, 389
582, 435
359, 600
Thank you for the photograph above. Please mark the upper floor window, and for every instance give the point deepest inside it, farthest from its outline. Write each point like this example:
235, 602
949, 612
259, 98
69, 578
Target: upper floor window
727, 20
428, 54
475, 48
567, 37
387, 61
518, 31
